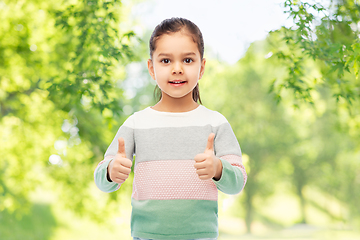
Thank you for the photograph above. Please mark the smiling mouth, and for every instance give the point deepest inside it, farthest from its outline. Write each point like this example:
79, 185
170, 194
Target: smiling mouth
177, 82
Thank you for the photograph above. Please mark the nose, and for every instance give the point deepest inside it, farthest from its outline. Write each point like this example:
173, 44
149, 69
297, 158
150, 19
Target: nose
177, 69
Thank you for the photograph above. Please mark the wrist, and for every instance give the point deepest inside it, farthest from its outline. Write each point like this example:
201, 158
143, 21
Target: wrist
218, 172
107, 172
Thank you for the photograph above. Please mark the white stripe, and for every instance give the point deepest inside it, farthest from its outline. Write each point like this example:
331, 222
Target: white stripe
150, 118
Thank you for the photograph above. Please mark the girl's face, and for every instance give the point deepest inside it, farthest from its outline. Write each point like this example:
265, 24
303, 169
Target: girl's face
176, 65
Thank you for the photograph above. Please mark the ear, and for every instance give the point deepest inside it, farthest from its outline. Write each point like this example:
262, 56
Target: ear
202, 68
150, 66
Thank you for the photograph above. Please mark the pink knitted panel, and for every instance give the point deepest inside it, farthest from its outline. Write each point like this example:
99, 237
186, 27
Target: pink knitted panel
171, 179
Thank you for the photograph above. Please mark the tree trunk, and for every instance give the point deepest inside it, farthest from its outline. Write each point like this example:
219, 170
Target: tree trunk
302, 203
249, 212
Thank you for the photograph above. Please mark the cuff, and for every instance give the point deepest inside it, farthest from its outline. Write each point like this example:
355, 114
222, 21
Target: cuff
232, 180
101, 178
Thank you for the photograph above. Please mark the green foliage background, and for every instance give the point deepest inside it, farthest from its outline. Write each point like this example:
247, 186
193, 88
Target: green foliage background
69, 76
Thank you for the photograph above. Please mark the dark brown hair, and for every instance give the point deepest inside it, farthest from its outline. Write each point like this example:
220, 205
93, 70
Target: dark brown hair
173, 25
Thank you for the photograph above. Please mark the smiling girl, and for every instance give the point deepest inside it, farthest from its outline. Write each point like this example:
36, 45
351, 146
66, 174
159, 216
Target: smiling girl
184, 152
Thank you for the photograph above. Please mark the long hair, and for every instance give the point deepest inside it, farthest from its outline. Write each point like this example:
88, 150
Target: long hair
174, 25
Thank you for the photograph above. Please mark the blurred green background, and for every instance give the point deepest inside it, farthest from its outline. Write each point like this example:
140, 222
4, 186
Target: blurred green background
72, 71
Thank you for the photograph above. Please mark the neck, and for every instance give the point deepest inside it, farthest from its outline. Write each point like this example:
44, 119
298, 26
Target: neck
169, 104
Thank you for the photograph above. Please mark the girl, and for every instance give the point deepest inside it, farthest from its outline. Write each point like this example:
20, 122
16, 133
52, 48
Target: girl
184, 152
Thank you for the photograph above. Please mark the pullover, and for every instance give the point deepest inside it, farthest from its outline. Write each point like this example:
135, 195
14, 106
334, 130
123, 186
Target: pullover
168, 200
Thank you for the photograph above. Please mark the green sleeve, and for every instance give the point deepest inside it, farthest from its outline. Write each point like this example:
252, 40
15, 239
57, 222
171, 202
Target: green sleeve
232, 179
101, 180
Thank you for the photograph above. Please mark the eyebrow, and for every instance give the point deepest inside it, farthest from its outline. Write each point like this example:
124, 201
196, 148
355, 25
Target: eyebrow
170, 55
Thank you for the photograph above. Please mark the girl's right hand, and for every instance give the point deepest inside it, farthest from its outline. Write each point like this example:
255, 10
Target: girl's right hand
120, 167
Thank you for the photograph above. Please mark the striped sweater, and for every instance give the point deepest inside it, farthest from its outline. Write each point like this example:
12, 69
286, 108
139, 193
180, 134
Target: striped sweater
169, 201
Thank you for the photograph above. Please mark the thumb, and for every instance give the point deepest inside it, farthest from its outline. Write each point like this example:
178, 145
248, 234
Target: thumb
121, 147
210, 142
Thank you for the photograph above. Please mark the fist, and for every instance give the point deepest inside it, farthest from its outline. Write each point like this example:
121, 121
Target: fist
120, 167
207, 165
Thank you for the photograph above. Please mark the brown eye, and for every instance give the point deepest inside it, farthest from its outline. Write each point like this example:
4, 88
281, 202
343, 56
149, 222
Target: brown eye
165, 61
188, 60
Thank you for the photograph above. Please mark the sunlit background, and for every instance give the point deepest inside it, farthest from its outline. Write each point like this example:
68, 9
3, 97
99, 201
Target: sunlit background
228, 26
72, 71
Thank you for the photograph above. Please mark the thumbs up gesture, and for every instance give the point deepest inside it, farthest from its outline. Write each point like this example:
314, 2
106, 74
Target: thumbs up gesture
120, 167
207, 165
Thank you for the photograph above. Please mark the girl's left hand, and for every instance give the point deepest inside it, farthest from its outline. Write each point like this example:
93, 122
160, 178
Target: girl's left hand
207, 165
